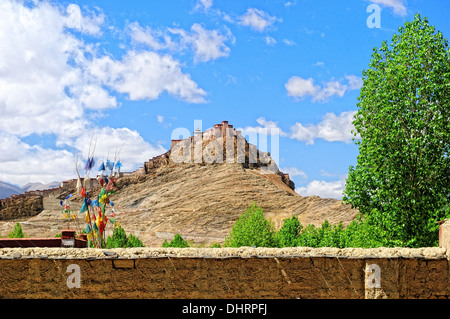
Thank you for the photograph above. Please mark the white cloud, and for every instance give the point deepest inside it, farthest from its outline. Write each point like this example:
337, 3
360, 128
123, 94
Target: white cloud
108, 141
330, 89
332, 128
22, 163
206, 44
203, 5
152, 38
270, 41
146, 75
299, 88
293, 172
257, 19
289, 42
160, 118
42, 85
354, 82
82, 22
50, 79
323, 189
396, 5
265, 127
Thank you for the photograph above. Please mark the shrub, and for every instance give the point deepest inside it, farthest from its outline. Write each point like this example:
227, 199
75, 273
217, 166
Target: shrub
119, 239
289, 233
358, 233
251, 229
177, 241
134, 241
16, 232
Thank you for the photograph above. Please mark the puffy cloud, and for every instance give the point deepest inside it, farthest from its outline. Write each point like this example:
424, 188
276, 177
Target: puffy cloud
299, 88
293, 172
206, 44
257, 19
323, 189
270, 41
332, 128
47, 81
51, 78
35, 74
146, 75
22, 163
289, 42
203, 5
133, 150
354, 82
154, 39
396, 5
265, 127
82, 22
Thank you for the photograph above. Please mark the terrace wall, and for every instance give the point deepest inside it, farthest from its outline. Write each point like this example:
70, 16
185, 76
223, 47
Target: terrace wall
225, 273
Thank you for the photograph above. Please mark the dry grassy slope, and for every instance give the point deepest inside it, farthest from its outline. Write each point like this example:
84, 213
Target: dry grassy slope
201, 202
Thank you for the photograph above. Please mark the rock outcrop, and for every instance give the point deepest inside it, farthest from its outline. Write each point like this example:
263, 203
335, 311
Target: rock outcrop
18, 206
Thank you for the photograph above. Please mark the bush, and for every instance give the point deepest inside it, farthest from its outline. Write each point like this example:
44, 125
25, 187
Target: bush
289, 233
119, 239
177, 241
358, 233
16, 232
251, 229
134, 241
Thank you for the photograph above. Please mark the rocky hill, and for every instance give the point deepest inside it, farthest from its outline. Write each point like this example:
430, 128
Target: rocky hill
201, 201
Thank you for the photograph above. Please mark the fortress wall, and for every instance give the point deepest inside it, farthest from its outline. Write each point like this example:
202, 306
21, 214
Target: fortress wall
224, 273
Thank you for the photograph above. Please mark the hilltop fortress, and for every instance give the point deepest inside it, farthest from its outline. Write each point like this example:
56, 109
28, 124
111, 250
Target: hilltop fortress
220, 144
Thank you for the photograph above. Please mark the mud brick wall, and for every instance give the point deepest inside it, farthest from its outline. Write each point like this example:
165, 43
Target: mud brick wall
224, 273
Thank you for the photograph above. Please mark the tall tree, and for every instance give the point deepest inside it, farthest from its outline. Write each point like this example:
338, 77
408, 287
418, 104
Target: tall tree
401, 182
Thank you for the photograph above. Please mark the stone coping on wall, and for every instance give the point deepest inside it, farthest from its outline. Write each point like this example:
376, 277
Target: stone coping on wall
241, 252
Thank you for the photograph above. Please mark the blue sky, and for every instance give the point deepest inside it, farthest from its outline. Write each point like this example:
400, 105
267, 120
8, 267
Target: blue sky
130, 72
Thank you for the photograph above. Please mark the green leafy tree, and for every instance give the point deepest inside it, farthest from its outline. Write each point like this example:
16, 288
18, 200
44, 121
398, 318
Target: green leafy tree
401, 182
119, 239
16, 232
251, 229
288, 234
177, 241
134, 241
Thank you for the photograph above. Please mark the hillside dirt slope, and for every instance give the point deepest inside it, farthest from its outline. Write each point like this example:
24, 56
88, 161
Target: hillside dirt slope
199, 201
